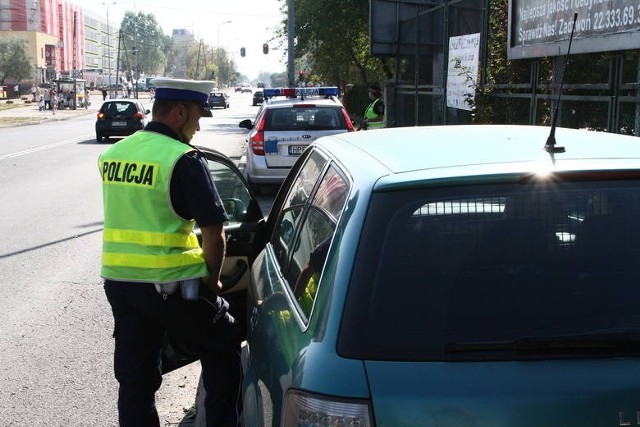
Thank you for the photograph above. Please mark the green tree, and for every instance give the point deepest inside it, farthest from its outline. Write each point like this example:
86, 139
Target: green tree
14, 60
333, 39
502, 75
142, 35
223, 66
182, 59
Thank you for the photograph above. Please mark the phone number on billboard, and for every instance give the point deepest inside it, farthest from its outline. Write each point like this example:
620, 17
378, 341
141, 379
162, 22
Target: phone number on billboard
614, 18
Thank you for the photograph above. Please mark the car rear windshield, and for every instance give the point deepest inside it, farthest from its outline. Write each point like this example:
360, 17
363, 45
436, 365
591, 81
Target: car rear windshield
118, 108
512, 271
304, 118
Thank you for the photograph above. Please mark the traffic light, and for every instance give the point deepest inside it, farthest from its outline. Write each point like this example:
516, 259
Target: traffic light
265, 48
243, 52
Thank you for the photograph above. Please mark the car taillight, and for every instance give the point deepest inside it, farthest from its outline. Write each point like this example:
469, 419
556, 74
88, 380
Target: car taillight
256, 138
304, 409
348, 120
100, 115
137, 115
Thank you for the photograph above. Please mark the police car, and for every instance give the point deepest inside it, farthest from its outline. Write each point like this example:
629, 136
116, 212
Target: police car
288, 121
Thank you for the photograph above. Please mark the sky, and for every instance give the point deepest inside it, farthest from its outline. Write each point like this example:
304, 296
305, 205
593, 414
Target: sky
253, 22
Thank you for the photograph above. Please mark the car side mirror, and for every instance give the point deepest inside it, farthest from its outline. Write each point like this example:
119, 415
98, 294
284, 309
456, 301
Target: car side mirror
236, 210
246, 124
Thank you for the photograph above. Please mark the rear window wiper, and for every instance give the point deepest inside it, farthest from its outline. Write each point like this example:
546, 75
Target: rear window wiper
595, 342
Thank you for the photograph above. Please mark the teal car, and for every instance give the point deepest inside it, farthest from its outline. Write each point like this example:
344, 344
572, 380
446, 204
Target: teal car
449, 276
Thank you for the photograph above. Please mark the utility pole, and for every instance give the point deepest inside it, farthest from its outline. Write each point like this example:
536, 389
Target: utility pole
107, 4
135, 49
291, 34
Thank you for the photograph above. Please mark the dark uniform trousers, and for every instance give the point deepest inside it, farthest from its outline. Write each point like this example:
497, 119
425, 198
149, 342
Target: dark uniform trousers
141, 317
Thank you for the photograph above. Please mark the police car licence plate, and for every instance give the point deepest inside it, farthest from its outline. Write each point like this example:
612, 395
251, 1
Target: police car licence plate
296, 150
119, 123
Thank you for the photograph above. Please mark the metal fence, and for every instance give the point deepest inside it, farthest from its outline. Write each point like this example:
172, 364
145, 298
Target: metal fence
601, 92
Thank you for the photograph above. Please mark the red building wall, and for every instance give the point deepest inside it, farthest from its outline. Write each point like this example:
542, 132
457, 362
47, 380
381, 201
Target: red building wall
59, 18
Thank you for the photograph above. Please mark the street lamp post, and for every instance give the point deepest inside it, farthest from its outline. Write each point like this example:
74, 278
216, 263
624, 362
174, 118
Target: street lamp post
107, 4
220, 25
135, 42
218, 42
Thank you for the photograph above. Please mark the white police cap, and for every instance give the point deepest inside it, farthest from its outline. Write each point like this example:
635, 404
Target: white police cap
184, 90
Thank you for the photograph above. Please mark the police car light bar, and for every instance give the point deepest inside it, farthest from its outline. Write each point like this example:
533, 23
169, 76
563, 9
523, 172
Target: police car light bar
301, 91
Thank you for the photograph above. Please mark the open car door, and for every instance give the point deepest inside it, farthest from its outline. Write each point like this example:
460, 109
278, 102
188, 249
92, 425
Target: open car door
245, 233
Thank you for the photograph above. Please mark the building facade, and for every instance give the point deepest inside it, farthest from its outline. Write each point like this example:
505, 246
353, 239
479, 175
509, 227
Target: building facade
63, 40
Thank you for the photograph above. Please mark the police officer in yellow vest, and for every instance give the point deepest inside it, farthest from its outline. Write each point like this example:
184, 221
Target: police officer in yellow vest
374, 114
156, 187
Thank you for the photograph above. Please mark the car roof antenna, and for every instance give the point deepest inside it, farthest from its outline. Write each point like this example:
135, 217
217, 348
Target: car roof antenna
550, 146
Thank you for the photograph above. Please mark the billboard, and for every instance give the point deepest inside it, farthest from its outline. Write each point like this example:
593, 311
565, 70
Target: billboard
540, 28
393, 25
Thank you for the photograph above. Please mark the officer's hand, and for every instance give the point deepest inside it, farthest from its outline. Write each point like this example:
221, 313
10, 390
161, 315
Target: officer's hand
213, 287
213, 308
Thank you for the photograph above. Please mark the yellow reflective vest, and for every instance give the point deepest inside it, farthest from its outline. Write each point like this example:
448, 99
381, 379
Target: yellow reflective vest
370, 114
144, 240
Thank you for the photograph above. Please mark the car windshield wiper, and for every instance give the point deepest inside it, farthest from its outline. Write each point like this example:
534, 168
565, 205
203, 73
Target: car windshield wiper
602, 342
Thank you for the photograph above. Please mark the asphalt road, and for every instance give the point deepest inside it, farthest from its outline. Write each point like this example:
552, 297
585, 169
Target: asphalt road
56, 347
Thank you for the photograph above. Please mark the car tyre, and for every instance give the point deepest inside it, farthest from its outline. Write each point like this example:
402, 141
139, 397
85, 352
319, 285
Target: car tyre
99, 137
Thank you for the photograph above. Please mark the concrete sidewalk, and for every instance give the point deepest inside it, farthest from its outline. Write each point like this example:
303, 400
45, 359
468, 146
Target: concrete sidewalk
22, 112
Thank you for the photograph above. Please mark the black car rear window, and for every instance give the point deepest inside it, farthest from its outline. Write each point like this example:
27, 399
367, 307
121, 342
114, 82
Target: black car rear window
509, 271
119, 108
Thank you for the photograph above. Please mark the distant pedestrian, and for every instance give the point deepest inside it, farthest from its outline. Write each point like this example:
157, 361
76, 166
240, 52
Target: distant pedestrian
34, 90
16, 91
47, 99
104, 94
54, 101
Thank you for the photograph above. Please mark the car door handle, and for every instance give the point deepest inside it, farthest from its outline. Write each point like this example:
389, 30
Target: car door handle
228, 282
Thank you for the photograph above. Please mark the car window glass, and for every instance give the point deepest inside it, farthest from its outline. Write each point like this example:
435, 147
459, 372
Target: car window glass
313, 240
308, 118
494, 263
291, 211
233, 192
119, 107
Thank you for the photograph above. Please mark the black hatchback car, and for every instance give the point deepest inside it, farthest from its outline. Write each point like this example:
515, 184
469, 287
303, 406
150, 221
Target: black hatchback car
120, 117
258, 97
218, 99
